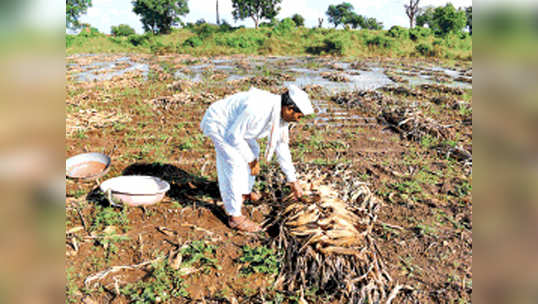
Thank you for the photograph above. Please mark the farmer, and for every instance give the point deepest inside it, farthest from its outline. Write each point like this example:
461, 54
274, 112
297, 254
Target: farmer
234, 124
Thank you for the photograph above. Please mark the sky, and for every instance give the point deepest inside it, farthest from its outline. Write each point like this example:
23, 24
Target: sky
106, 13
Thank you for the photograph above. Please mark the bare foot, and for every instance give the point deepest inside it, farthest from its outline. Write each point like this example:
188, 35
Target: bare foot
255, 196
243, 223
252, 196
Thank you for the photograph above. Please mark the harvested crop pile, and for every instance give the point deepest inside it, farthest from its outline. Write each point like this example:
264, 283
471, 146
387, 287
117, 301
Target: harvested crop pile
360, 65
338, 77
86, 120
327, 238
441, 89
401, 90
180, 85
395, 77
174, 101
368, 101
257, 81
440, 78
413, 123
284, 76
464, 79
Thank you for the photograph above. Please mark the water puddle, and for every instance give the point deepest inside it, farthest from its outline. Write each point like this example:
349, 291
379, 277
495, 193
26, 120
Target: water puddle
103, 69
305, 70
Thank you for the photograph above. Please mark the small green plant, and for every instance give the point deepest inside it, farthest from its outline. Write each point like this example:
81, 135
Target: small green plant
110, 216
426, 177
428, 141
259, 260
187, 144
408, 187
71, 288
108, 241
465, 110
199, 254
409, 268
164, 284
464, 189
80, 134
424, 229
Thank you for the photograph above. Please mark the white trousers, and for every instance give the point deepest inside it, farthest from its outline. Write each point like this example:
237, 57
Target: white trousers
233, 175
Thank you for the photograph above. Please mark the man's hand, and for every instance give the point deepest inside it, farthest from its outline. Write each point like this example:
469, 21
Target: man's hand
296, 189
254, 167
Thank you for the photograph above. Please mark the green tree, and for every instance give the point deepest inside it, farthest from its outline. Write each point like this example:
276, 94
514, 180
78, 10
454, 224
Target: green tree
339, 14
374, 24
469, 14
158, 16
425, 16
73, 10
255, 9
356, 20
443, 19
446, 19
298, 19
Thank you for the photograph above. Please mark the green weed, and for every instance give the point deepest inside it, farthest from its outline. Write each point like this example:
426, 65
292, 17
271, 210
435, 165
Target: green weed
80, 134
259, 260
109, 216
71, 288
424, 229
164, 284
109, 240
408, 267
464, 189
200, 255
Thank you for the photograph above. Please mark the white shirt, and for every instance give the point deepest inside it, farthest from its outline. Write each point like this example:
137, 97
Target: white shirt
243, 118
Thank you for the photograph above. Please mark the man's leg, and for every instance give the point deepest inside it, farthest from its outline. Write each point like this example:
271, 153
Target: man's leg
231, 175
231, 197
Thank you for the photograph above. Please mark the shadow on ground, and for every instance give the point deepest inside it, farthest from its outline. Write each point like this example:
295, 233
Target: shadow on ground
185, 188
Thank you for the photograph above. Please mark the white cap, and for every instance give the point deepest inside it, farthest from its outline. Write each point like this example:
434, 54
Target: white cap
300, 98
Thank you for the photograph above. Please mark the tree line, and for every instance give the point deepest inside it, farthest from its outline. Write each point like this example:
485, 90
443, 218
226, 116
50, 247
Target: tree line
159, 16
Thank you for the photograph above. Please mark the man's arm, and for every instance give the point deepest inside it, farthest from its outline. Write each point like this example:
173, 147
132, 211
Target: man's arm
284, 159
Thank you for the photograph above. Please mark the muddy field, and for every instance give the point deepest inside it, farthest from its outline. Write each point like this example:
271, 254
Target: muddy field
400, 129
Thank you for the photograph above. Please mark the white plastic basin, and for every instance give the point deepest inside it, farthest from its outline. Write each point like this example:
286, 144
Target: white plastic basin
135, 190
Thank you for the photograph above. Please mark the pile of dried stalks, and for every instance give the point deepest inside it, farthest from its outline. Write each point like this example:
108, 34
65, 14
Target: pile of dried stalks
260, 81
85, 120
174, 101
395, 77
441, 89
412, 123
360, 65
402, 90
327, 238
368, 101
332, 76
